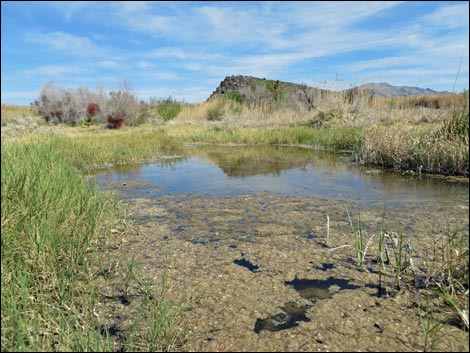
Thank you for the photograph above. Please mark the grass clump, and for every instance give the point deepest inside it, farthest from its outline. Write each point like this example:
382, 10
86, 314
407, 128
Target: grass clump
54, 225
49, 220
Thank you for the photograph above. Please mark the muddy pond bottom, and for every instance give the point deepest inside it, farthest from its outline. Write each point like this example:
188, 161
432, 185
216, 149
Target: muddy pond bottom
239, 238
255, 273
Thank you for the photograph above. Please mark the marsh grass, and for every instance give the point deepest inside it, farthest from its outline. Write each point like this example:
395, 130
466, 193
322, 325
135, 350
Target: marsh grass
344, 138
446, 267
382, 253
14, 112
100, 148
52, 223
156, 326
440, 148
358, 235
49, 219
429, 325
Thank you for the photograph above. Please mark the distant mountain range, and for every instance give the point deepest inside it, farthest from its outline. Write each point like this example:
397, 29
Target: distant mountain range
384, 89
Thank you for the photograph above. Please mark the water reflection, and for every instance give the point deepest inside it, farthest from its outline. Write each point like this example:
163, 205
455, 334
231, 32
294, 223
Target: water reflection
286, 171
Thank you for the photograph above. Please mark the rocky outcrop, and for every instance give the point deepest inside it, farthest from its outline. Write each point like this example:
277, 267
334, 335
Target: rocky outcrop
249, 89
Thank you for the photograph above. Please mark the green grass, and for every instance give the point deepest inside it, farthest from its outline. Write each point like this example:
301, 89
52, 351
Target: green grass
344, 138
51, 223
49, 218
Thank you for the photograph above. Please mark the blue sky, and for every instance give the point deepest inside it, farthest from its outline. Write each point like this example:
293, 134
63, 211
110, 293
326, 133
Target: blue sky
184, 49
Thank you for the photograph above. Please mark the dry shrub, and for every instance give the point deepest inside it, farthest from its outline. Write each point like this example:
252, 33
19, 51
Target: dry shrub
59, 105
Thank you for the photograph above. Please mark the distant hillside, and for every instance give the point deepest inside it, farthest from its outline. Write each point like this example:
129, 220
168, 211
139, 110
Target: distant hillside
249, 89
387, 90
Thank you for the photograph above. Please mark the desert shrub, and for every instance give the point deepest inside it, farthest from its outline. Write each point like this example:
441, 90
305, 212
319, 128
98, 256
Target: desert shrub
325, 119
59, 105
92, 109
168, 108
143, 115
122, 107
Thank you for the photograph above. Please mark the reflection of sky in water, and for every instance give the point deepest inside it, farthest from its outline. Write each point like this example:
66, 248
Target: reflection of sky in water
320, 176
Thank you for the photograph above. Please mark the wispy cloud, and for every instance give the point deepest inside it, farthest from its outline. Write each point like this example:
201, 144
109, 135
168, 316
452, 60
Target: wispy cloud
55, 70
108, 64
451, 16
68, 43
69, 8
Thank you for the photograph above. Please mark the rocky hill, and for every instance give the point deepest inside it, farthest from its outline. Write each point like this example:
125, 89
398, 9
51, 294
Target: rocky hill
249, 89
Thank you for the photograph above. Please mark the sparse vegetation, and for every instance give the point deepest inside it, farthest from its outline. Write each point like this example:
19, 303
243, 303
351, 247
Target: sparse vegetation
443, 271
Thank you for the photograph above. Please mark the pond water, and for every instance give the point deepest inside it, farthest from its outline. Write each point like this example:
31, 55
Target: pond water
282, 171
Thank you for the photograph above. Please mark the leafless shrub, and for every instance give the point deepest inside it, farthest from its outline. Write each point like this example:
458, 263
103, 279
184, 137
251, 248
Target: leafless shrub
122, 106
59, 105
84, 106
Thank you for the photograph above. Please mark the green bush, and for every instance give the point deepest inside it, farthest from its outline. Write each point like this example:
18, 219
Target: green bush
235, 96
168, 108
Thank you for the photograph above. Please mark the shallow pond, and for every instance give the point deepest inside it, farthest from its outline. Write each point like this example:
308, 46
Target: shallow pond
282, 171
241, 232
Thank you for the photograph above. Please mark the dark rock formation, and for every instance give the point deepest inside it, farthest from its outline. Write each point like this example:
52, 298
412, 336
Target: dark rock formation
249, 89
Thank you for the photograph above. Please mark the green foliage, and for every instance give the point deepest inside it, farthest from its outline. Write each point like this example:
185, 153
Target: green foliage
234, 96
168, 108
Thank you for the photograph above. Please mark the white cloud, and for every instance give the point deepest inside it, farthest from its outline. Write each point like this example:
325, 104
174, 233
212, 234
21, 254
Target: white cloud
382, 63
54, 70
144, 64
336, 14
451, 16
108, 64
69, 8
68, 43
169, 53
